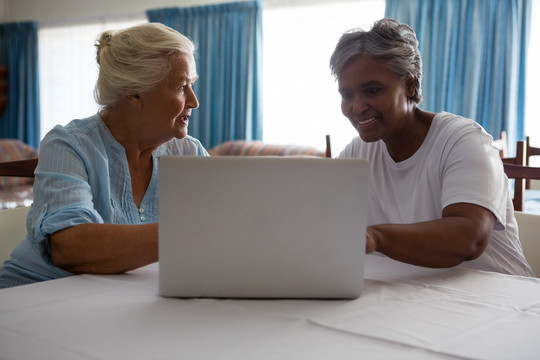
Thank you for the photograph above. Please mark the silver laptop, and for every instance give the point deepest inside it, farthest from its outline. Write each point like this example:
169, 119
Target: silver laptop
262, 227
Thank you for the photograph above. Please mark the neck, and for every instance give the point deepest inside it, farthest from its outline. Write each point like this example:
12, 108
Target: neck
415, 130
124, 126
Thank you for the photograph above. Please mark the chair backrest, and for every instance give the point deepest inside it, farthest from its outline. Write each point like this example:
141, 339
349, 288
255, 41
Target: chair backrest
17, 163
530, 151
520, 173
529, 234
13, 229
18, 168
519, 159
328, 152
502, 144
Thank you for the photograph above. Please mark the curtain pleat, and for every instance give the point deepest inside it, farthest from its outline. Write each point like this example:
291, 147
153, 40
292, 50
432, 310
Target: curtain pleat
229, 44
474, 54
19, 53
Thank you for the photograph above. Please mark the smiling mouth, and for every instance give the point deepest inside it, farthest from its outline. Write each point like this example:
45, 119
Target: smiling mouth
184, 119
365, 122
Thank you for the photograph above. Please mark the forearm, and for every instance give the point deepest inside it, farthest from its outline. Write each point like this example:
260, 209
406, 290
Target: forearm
104, 248
444, 242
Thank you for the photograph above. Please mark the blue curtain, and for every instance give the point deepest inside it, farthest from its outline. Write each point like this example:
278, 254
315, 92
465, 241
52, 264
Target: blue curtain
474, 54
19, 53
229, 55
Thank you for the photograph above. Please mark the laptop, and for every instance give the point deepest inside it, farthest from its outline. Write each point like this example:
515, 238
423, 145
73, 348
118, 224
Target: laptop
262, 227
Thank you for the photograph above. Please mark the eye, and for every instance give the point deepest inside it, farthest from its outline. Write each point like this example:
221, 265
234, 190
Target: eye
372, 90
183, 88
345, 95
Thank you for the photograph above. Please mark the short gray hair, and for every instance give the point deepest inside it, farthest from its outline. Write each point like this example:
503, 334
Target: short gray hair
135, 60
389, 40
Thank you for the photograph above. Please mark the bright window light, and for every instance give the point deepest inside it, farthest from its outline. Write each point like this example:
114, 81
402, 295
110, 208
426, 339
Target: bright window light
68, 70
301, 101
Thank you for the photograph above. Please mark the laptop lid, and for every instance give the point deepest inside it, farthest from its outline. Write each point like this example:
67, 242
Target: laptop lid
262, 227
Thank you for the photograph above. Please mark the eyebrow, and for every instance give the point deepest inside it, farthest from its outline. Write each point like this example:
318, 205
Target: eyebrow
184, 79
371, 83
363, 86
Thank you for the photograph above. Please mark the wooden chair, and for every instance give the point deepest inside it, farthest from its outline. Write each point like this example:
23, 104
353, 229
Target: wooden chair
18, 168
509, 163
328, 152
519, 159
529, 151
502, 144
520, 173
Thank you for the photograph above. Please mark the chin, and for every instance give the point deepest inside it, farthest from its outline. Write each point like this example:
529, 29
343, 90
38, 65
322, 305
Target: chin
181, 133
368, 137
181, 136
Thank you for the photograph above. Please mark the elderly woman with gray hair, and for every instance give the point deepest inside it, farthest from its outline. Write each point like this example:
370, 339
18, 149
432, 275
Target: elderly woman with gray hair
438, 193
95, 206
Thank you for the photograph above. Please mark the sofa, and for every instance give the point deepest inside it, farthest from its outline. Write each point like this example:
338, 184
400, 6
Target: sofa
259, 148
16, 191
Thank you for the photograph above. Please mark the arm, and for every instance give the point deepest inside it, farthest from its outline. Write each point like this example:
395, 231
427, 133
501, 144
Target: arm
462, 234
80, 249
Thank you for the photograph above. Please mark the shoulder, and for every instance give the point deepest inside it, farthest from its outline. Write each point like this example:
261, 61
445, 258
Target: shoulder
74, 132
454, 124
450, 130
82, 144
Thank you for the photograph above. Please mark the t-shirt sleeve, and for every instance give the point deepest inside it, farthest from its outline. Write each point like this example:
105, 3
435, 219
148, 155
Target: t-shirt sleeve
472, 172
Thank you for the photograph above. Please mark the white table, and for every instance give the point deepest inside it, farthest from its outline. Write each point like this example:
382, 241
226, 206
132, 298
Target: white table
405, 312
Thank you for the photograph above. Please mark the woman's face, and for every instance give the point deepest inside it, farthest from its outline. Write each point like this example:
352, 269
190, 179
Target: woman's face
166, 109
374, 100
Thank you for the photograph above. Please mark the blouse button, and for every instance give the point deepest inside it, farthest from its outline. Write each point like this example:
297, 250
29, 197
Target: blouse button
143, 218
141, 210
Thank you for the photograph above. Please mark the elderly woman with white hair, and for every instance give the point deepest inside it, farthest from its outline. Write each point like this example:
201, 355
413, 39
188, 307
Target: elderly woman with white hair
95, 206
438, 195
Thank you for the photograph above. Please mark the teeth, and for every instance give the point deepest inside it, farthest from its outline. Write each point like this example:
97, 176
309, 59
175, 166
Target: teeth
366, 121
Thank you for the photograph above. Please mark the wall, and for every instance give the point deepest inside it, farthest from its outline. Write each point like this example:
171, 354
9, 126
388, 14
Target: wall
53, 11
49, 12
3, 10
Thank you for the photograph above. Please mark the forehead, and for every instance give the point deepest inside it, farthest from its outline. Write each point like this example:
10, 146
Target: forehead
365, 68
183, 68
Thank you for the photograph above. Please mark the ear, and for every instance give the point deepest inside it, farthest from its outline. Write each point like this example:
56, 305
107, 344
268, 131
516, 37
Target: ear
411, 86
134, 100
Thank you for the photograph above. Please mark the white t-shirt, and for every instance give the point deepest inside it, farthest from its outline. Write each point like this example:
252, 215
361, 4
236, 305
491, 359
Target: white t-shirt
456, 163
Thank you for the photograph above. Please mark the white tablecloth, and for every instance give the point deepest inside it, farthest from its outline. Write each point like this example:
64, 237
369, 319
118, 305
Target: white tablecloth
405, 312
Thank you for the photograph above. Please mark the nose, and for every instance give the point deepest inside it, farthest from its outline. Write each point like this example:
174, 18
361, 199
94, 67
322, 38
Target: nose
359, 105
191, 99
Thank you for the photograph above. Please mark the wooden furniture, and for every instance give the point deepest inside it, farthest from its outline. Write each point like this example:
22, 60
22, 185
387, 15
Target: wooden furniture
520, 173
519, 159
529, 151
328, 152
18, 168
17, 163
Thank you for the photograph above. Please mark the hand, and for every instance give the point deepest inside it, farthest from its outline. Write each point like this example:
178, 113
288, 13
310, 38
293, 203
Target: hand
371, 240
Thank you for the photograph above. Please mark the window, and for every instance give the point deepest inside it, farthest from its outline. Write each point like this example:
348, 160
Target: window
301, 102
68, 70
300, 99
